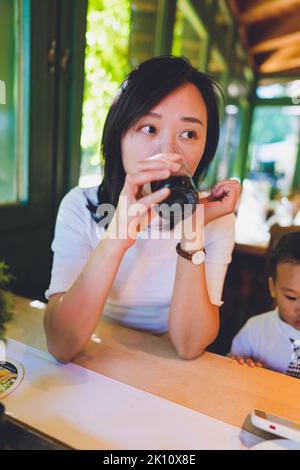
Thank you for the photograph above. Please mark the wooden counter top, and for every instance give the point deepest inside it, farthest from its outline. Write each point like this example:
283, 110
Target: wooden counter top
211, 384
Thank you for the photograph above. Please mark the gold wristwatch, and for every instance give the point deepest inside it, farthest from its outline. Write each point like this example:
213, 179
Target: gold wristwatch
196, 257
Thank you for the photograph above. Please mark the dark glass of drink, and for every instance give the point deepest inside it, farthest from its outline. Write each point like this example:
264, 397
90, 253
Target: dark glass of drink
183, 192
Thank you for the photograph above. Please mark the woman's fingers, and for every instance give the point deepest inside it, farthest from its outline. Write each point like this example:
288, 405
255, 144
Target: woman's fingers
226, 183
144, 177
142, 212
154, 198
164, 156
143, 205
158, 165
225, 187
146, 218
226, 194
139, 210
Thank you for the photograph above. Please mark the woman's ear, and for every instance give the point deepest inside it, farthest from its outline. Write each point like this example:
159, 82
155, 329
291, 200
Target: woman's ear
272, 288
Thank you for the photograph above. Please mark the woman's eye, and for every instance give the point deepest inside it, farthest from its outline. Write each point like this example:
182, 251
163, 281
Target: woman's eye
189, 135
290, 298
148, 129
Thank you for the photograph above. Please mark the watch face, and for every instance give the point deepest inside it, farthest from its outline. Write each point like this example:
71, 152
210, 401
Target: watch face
198, 257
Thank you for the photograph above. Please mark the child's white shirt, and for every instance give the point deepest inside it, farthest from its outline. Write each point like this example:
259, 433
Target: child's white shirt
267, 338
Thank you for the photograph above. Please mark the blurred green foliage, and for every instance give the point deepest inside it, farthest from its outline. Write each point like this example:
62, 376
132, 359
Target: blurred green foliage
106, 64
177, 35
270, 125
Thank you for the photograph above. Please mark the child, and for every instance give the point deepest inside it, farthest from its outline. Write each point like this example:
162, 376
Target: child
272, 339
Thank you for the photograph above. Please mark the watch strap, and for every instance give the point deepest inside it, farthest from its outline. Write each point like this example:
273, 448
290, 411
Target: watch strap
187, 254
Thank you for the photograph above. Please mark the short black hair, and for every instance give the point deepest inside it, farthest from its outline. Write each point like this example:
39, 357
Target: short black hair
141, 90
286, 250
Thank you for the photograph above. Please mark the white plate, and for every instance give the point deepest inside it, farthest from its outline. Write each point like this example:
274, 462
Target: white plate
18, 373
277, 444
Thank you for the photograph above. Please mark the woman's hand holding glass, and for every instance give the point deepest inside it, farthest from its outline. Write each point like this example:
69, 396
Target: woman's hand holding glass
135, 210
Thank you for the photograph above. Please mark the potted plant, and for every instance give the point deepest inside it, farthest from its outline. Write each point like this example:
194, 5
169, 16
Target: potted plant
6, 298
6, 314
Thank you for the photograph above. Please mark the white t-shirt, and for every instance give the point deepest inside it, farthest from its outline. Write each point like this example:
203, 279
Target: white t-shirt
141, 293
267, 338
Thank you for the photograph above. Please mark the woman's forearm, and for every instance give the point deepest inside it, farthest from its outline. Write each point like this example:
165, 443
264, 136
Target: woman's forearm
73, 318
193, 320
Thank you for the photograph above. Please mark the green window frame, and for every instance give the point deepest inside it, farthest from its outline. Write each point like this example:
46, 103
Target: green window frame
14, 101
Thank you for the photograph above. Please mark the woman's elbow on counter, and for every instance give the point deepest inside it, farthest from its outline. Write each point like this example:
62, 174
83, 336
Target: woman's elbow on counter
184, 349
58, 345
187, 352
59, 355
189, 355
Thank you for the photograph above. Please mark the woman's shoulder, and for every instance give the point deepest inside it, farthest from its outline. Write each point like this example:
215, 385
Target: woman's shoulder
78, 196
74, 205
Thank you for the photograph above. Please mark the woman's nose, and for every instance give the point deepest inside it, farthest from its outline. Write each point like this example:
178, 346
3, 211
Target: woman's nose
167, 147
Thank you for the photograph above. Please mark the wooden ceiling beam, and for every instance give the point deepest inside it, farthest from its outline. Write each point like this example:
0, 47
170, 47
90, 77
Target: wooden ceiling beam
289, 65
266, 10
242, 32
281, 61
275, 43
273, 28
